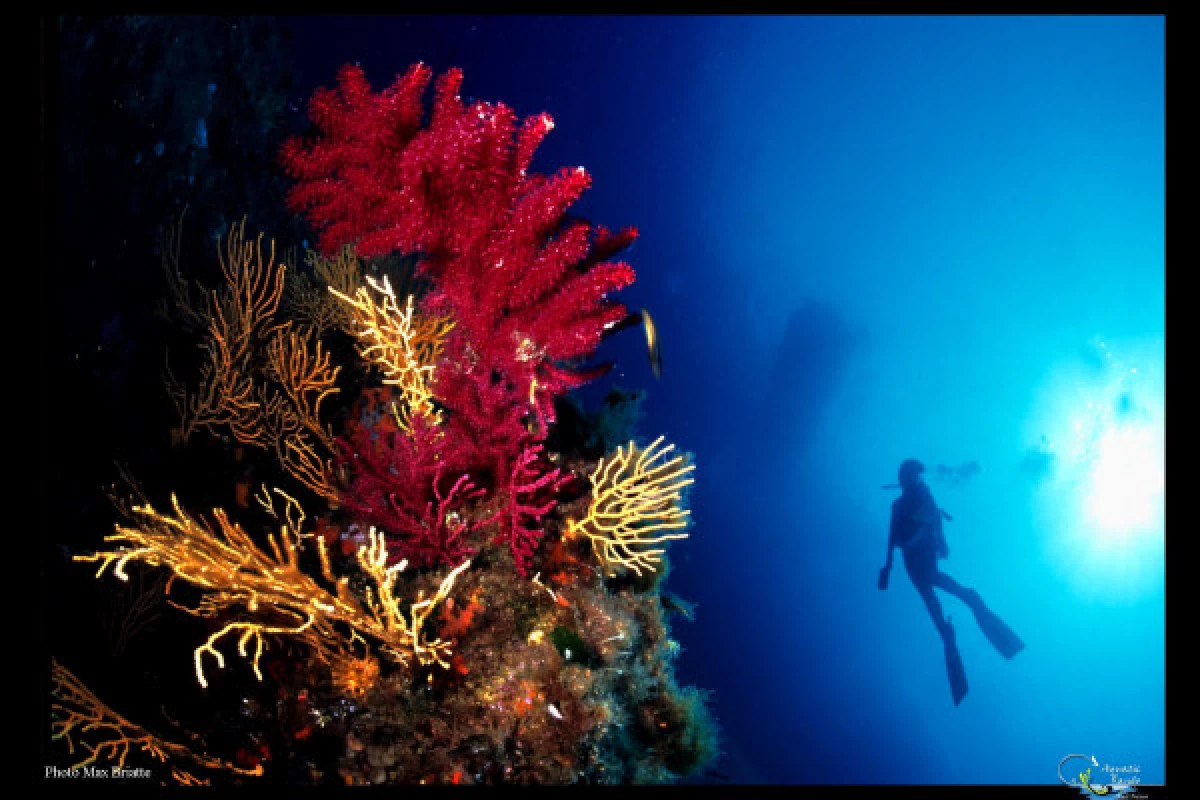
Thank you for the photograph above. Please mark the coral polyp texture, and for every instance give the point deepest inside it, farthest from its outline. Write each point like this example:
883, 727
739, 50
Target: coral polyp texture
433, 587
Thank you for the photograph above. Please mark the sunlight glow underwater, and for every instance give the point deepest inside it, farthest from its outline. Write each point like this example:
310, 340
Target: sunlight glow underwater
1103, 428
1126, 483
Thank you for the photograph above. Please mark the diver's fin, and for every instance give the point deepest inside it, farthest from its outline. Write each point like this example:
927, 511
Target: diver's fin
1002, 637
954, 666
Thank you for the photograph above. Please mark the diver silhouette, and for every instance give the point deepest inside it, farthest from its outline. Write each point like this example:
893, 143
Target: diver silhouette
916, 528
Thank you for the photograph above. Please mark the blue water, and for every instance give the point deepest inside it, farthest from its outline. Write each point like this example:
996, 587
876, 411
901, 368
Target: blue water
863, 240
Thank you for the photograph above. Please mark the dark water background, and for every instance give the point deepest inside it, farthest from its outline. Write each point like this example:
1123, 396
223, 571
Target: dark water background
863, 239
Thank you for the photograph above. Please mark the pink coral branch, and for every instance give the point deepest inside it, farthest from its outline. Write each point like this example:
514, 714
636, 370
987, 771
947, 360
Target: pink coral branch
396, 486
532, 494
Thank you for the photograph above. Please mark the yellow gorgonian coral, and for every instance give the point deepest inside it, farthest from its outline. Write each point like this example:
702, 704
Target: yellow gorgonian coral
269, 594
397, 341
637, 505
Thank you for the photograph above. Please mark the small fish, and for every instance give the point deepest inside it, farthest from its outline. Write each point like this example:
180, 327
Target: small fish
653, 349
652, 344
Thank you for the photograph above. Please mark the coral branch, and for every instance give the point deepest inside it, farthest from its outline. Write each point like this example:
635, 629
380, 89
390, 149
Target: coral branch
254, 286
636, 503
79, 713
185, 778
532, 494
306, 379
309, 297
405, 347
238, 317
224, 394
399, 486
263, 380
192, 315
342, 273
268, 592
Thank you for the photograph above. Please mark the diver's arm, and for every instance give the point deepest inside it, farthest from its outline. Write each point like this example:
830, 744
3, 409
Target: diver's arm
891, 545
887, 564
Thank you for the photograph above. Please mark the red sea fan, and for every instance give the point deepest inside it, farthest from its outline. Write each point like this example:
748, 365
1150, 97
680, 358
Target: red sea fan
527, 288
347, 173
412, 487
528, 291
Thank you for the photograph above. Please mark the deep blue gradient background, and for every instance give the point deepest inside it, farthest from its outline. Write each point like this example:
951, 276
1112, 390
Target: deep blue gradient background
865, 239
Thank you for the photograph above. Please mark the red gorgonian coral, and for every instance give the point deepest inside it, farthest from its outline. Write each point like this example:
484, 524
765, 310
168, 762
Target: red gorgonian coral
410, 485
526, 287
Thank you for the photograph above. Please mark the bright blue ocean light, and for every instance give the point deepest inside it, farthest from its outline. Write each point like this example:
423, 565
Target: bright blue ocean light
1104, 423
1126, 483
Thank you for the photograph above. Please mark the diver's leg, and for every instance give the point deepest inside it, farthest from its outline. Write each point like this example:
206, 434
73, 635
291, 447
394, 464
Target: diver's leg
933, 605
948, 584
921, 565
1002, 637
954, 666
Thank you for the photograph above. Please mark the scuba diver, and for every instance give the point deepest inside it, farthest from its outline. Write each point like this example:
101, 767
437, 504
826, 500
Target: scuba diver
916, 528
